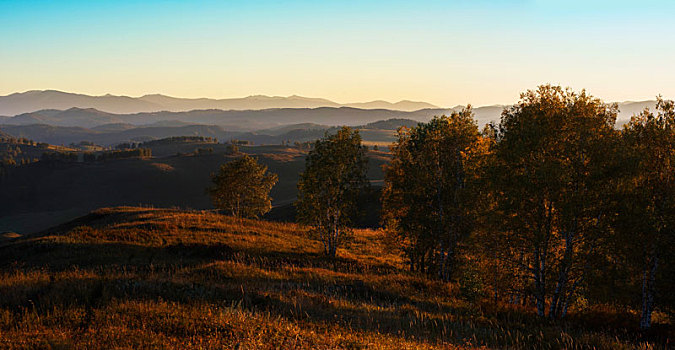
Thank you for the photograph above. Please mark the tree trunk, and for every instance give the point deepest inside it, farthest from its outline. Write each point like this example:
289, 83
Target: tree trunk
557, 299
648, 281
449, 263
539, 285
564, 308
332, 251
441, 264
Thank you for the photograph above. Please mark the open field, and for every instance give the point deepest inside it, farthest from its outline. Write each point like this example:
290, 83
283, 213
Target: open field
159, 278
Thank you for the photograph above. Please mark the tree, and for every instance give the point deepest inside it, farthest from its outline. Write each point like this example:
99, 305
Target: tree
242, 187
549, 177
427, 200
335, 174
232, 148
647, 210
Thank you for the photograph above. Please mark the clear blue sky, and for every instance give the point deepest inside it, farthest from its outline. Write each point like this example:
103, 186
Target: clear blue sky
443, 52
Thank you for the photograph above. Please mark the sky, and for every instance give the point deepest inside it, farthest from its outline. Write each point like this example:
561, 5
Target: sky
443, 52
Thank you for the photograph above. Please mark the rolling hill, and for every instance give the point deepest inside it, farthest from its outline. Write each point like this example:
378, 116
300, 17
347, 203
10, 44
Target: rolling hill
112, 134
115, 133
139, 277
272, 119
62, 191
78, 117
231, 120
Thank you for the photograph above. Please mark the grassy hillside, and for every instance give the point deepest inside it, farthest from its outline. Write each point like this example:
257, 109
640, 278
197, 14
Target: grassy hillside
55, 193
158, 278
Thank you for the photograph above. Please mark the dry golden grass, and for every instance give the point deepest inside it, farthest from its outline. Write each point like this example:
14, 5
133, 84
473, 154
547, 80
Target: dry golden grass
160, 278
163, 167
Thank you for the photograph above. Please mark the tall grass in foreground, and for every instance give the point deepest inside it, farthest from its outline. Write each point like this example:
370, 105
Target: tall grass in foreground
157, 278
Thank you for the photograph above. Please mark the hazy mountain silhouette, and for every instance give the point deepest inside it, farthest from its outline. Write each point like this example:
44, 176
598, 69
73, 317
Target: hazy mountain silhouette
251, 120
71, 117
114, 127
235, 120
291, 127
390, 124
64, 135
37, 100
399, 106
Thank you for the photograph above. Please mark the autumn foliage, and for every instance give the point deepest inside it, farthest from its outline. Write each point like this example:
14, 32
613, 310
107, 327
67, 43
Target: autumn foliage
553, 207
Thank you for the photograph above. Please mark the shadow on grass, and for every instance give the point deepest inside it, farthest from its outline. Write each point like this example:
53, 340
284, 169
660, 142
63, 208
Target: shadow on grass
117, 271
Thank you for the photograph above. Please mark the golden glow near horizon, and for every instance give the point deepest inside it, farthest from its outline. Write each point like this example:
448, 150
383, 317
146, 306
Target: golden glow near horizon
442, 53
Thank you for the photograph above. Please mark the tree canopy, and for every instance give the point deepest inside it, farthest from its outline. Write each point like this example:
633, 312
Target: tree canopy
552, 207
242, 188
427, 199
335, 174
646, 226
549, 172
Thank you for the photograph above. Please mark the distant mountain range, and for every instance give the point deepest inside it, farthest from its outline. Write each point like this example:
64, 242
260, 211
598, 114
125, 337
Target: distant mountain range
64, 123
37, 100
233, 120
382, 131
238, 120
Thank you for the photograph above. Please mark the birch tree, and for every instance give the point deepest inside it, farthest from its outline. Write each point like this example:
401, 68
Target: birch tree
328, 190
647, 212
427, 201
550, 177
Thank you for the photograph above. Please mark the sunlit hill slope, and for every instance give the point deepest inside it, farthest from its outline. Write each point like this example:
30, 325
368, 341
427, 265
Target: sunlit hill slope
159, 278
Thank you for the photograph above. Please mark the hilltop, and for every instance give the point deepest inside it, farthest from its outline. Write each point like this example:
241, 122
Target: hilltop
141, 277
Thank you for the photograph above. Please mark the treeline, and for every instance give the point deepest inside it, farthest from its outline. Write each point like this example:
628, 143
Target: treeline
118, 154
18, 151
21, 141
57, 156
12, 154
551, 207
298, 144
179, 139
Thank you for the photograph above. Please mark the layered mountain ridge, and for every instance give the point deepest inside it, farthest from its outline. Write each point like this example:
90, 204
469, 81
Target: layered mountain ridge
36, 100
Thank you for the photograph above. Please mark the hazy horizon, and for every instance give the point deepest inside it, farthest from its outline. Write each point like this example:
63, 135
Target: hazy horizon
209, 97
443, 53
651, 98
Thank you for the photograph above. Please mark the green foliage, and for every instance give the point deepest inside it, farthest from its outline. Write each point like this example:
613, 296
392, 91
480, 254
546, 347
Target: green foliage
549, 177
232, 148
335, 174
242, 187
427, 200
471, 285
646, 226
179, 139
57, 156
122, 154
